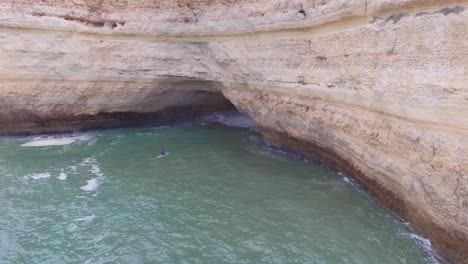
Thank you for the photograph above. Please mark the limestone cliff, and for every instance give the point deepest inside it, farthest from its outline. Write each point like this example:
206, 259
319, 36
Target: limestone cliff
377, 87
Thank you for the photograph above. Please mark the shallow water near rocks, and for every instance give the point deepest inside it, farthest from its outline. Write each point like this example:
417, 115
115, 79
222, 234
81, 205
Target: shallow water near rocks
223, 196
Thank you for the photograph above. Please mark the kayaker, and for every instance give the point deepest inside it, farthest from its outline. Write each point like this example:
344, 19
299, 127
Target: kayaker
163, 152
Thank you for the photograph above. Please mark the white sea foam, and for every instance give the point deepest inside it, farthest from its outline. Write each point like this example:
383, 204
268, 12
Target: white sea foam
52, 141
93, 184
232, 119
39, 176
96, 170
62, 176
49, 142
93, 163
73, 169
425, 242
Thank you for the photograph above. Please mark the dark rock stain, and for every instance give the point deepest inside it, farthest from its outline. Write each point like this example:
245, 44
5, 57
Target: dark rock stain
374, 19
451, 10
396, 17
302, 11
421, 14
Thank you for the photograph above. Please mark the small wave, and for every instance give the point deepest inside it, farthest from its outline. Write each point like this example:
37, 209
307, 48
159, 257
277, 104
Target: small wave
232, 119
279, 151
425, 244
72, 228
62, 176
93, 184
39, 176
254, 139
41, 142
356, 186
147, 134
160, 128
89, 218
424, 241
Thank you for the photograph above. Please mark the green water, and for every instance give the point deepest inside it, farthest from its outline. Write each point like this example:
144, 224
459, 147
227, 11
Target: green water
222, 197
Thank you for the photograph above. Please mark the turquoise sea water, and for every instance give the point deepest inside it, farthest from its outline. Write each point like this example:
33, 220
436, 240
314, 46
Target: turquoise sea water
223, 196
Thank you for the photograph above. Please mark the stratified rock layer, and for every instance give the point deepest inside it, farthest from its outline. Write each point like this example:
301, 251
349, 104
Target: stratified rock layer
376, 87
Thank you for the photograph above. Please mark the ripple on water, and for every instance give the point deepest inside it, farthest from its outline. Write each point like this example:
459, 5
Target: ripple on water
223, 197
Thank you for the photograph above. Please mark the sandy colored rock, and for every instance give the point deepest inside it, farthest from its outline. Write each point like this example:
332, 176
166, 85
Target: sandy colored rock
378, 87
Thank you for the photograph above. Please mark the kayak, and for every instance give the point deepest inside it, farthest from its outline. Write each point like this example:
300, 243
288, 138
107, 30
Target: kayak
162, 156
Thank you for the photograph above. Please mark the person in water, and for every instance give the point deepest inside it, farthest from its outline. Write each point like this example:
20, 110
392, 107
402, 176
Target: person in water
163, 152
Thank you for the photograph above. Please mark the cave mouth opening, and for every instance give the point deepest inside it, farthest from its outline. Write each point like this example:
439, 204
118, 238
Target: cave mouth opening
175, 100
167, 102
173, 106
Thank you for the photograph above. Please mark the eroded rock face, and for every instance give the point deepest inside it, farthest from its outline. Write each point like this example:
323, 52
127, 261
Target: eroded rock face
377, 87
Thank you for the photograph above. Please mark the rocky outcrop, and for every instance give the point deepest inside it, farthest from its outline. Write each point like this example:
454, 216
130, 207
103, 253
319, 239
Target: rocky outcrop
376, 87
